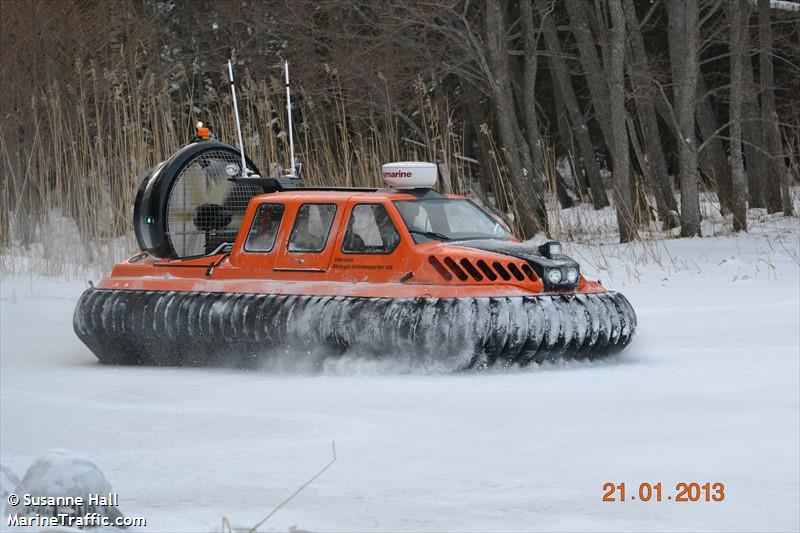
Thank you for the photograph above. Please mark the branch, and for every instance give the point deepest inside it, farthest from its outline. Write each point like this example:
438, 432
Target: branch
675, 123
298, 491
648, 14
714, 135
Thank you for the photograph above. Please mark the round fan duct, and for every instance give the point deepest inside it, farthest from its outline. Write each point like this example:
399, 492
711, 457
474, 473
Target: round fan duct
187, 206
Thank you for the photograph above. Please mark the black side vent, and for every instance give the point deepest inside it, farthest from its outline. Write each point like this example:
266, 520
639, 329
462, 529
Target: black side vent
463, 269
502, 271
460, 274
440, 268
529, 272
470, 268
486, 270
515, 272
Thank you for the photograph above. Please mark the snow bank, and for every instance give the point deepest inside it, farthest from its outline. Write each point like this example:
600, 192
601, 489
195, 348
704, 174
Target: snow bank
8, 482
65, 474
785, 5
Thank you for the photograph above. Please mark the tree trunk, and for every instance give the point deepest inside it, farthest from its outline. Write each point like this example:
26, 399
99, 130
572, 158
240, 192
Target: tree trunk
529, 86
529, 202
641, 78
487, 169
755, 159
737, 163
786, 180
592, 67
623, 191
713, 153
772, 181
684, 36
581, 132
579, 174
529, 99
641, 184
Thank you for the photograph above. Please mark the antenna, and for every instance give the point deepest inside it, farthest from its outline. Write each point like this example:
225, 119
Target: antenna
236, 114
289, 111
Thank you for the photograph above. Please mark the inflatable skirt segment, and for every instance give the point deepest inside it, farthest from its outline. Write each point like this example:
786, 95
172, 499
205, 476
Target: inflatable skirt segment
233, 329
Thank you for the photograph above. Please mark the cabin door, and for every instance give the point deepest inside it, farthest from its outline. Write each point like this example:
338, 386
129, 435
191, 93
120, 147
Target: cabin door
310, 243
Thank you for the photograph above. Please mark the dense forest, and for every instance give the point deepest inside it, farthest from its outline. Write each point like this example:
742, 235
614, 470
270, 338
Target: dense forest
526, 105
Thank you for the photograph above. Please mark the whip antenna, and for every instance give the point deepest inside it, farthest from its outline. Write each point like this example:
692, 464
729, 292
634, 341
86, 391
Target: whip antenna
236, 114
289, 111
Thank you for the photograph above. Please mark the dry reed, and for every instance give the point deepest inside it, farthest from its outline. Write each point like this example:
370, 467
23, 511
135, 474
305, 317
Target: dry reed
67, 195
67, 199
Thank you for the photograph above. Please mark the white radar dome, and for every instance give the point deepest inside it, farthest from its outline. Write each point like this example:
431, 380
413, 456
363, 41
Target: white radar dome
410, 175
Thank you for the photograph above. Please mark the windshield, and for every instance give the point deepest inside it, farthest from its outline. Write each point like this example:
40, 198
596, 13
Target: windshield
446, 219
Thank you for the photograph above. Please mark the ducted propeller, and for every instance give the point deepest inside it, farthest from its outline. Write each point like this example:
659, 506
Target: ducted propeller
189, 206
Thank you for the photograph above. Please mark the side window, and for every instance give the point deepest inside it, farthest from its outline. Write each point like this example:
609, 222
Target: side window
370, 231
265, 228
311, 227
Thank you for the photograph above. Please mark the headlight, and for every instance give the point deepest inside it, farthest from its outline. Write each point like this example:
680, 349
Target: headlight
572, 274
550, 249
554, 276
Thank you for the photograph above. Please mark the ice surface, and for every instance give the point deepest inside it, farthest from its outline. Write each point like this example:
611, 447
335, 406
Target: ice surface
707, 391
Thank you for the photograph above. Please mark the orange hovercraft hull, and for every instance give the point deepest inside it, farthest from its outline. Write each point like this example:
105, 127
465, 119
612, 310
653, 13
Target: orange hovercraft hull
202, 312
481, 302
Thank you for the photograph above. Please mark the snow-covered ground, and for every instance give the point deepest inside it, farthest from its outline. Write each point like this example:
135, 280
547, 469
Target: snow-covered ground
707, 392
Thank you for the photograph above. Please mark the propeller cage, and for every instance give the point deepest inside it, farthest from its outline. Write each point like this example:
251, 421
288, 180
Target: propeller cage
191, 203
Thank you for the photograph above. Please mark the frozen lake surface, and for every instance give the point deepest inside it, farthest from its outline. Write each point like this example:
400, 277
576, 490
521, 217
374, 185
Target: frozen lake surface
707, 392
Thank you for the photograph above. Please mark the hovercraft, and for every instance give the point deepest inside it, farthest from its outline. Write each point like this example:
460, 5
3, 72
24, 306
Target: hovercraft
233, 269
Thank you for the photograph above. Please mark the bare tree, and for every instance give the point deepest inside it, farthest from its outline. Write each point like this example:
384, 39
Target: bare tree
643, 88
756, 157
684, 37
470, 42
786, 205
567, 93
592, 67
711, 153
735, 9
623, 191
530, 204
772, 191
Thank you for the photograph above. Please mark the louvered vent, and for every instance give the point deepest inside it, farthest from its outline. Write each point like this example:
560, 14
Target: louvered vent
460, 274
470, 268
464, 269
515, 272
529, 271
491, 274
501, 270
440, 268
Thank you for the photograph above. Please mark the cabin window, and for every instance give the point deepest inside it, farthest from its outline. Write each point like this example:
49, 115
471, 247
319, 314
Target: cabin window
311, 227
448, 219
265, 228
370, 231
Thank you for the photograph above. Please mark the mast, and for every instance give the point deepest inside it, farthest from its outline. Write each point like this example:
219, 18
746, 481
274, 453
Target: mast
289, 112
236, 115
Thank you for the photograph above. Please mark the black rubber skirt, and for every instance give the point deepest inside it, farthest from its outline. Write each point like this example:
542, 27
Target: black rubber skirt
232, 329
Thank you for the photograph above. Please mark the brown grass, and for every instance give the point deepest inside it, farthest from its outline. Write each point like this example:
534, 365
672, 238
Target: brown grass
67, 205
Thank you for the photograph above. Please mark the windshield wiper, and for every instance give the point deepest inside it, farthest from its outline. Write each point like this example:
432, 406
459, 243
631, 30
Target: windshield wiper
430, 235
